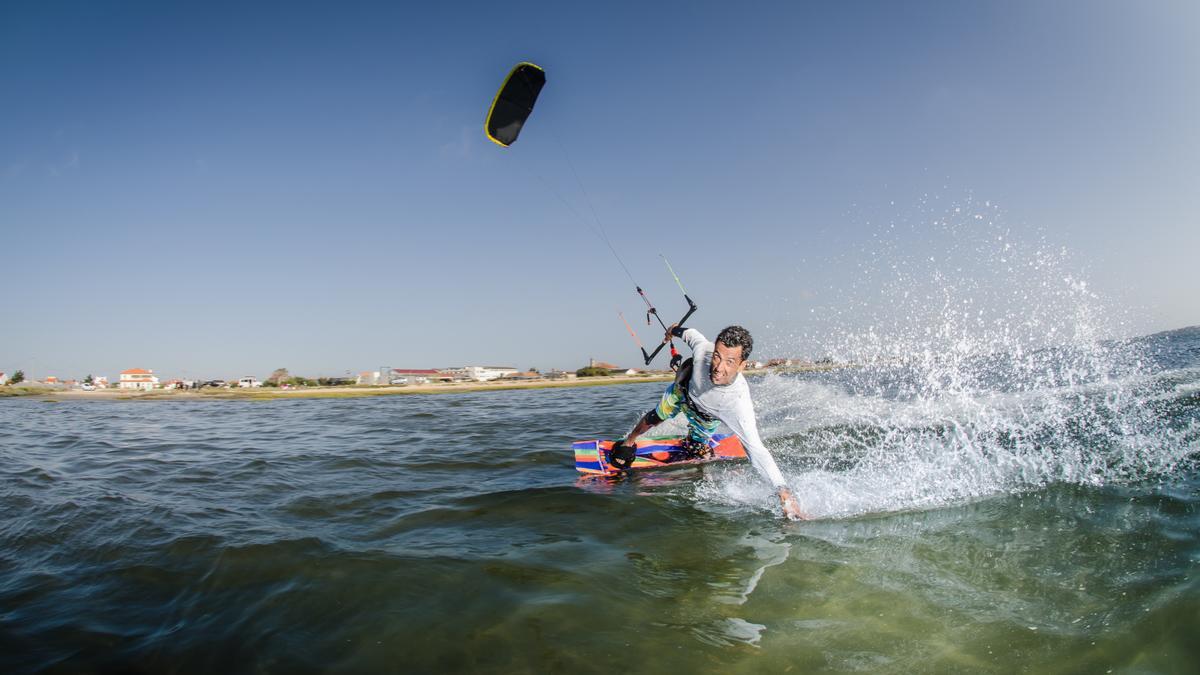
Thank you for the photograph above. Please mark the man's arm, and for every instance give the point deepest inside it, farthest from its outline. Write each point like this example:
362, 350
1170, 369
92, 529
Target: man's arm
744, 425
644, 424
691, 336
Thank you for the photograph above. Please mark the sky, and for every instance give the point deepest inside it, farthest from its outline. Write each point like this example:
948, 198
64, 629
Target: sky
220, 189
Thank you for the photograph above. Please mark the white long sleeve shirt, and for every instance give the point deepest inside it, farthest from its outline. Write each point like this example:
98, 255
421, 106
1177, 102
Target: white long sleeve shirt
729, 403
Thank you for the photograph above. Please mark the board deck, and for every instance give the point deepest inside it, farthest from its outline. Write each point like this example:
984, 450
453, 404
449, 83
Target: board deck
591, 457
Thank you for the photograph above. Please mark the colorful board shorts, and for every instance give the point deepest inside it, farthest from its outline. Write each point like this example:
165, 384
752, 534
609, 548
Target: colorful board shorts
700, 427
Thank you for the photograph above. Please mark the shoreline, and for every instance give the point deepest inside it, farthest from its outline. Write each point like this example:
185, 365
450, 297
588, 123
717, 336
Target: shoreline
50, 394
353, 391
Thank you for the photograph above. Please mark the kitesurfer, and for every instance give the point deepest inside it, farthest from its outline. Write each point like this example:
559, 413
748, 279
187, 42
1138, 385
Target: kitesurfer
709, 389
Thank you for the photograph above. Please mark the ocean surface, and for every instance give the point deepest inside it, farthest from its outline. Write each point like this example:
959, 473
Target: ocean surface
987, 509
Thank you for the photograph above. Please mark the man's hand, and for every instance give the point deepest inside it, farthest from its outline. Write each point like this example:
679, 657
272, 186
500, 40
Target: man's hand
790, 508
667, 337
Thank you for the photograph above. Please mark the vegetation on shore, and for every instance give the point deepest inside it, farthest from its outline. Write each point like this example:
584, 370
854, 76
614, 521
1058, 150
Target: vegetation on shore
28, 390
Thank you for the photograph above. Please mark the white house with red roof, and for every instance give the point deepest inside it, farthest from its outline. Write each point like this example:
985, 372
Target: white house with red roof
137, 378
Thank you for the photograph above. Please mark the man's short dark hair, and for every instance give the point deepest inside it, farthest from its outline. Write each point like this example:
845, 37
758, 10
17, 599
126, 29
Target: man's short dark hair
736, 336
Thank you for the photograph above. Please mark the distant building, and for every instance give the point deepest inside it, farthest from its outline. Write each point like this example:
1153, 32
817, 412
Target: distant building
593, 363
50, 379
527, 375
372, 376
3, 377
481, 373
137, 378
418, 376
100, 382
604, 365
249, 383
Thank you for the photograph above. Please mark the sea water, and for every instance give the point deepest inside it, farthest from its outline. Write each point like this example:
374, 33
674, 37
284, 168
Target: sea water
1052, 529
994, 487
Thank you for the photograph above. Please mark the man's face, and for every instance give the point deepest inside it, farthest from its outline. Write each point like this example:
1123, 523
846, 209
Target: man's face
726, 364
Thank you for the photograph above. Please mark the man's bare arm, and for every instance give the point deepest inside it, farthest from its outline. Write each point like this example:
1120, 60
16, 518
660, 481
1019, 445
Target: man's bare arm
640, 428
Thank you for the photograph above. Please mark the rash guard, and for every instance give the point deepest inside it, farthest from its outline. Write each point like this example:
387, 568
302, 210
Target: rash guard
729, 403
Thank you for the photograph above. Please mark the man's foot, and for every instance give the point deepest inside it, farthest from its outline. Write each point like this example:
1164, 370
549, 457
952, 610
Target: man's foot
695, 448
621, 456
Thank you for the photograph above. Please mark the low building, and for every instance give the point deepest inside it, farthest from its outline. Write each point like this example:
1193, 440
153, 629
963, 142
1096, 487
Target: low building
3, 377
100, 382
481, 373
527, 375
371, 376
249, 383
418, 376
137, 378
603, 365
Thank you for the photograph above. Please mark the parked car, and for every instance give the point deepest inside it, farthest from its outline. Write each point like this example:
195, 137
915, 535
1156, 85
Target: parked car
88, 387
215, 383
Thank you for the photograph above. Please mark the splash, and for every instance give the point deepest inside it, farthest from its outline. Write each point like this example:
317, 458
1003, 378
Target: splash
980, 365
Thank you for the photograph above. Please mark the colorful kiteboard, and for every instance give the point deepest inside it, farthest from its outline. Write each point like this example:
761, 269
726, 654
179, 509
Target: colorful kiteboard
591, 457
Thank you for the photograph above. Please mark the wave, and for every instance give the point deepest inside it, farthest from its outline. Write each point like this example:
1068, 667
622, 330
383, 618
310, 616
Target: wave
981, 366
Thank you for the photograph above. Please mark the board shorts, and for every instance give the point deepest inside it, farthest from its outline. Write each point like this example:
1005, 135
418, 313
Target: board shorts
674, 401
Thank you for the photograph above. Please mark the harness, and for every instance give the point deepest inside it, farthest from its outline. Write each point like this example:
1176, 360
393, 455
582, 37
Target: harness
621, 456
683, 377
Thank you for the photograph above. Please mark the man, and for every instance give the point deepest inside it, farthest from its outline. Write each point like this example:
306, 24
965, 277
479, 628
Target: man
709, 389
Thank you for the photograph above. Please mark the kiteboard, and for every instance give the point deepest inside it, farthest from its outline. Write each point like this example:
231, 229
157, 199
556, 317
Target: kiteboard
591, 457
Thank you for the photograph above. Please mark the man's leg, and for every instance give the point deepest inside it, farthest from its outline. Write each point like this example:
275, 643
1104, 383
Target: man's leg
667, 408
699, 441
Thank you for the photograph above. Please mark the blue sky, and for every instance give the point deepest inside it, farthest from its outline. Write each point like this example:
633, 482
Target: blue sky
212, 189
